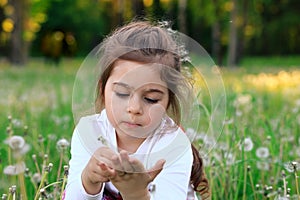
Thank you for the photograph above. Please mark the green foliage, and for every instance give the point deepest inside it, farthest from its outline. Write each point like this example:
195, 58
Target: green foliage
39, 98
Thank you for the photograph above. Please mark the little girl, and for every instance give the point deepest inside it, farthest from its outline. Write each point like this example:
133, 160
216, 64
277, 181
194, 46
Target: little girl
133, 148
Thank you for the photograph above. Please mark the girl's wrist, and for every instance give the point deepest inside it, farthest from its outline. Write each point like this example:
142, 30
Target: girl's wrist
90, 187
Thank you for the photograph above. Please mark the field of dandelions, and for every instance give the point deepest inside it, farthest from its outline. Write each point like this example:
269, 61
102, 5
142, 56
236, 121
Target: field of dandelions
256, 157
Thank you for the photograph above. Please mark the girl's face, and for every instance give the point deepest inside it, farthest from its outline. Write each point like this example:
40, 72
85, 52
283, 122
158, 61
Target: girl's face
135, 98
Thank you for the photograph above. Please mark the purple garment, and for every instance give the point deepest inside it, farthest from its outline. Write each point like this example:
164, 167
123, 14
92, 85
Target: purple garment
110, 195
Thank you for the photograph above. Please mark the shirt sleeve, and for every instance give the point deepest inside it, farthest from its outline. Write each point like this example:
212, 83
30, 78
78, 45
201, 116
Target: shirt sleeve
79, 159
173, 181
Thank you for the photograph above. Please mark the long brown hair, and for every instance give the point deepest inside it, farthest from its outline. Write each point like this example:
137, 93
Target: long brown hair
144, 42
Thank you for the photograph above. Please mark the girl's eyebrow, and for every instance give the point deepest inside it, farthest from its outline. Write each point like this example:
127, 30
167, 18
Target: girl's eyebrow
122, 84
154, 90
131, 88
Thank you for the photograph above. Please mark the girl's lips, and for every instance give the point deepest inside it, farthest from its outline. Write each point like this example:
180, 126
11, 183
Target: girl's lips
131, 125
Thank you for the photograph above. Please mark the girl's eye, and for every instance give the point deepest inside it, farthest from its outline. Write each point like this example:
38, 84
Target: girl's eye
151, 101
122, 95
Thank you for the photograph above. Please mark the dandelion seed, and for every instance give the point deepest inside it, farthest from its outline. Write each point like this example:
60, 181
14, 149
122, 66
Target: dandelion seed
15, 169
265, 166
262, 152
16, 142
66, 170
62, 144
151, 187
230, 159
17, 123
18, 145
13, 189
228, 121
4, 196
248, 144
292, 166
36, 178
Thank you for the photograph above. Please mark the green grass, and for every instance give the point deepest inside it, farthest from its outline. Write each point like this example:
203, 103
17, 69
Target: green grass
263, 103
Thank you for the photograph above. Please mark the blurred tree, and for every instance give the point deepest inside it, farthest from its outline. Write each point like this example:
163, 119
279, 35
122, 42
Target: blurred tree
75, 27
21, 21
223, 27
19, 47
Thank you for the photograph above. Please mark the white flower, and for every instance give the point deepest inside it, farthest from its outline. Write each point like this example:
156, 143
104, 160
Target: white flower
262, 152
230, 159
265, 166
36, 178
18, 145
248, 144
16, 142
15, 169
242, 100
62, 144
292, 166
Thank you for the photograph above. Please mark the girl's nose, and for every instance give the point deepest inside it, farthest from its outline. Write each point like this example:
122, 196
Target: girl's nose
134, 105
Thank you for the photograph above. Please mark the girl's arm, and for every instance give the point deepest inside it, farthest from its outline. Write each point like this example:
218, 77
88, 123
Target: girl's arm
173, 181
79, 160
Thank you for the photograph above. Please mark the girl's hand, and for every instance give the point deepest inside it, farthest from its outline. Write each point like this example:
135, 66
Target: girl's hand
96, 171
131, 178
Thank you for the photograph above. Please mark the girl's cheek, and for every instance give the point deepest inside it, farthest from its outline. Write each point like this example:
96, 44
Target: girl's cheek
156, 113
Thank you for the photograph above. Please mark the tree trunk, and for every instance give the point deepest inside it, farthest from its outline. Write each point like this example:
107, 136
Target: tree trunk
19, 48
216, 42
241, 42
232, 46
182, 16
138, 8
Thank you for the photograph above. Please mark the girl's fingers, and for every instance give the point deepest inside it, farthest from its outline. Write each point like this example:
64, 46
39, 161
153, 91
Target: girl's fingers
137, 166
127, 166
104, 155
117, 163
106, 171
156, 169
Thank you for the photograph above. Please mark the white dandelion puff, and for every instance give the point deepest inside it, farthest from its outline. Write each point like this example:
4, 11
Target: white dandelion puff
230, 159
18, 145
16, 142
265, 166
262, 152
247, 144
15, 169
292, 166
62, 144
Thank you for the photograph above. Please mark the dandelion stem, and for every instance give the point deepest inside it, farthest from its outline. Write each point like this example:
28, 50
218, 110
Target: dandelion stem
22, 186
63, 186
44, 175
245, 178
60, 164
252, 185
297, 187
51, 184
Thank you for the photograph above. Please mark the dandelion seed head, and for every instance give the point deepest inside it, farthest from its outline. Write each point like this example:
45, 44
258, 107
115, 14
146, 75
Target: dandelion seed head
4, 196
16, 142
36, 178
247, 144
262, 152
17, 122
230, 159
292, 167
62, 144
265, 166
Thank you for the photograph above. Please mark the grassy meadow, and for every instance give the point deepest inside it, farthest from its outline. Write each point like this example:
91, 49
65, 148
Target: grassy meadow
257, 155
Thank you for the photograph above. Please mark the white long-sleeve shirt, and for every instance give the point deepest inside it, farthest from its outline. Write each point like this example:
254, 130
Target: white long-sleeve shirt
173, 182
